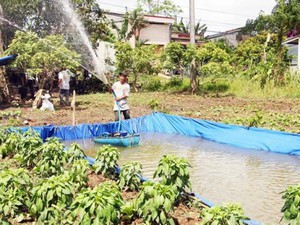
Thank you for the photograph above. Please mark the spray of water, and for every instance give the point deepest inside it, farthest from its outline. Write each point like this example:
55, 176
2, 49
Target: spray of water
99, 66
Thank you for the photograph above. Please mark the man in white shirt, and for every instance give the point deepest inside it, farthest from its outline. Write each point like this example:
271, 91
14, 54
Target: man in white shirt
121, 91
64, 86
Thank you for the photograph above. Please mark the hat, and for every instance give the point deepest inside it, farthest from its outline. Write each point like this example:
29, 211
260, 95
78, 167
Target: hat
123, 74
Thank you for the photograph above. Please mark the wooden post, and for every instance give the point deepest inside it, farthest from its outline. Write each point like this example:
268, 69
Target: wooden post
73, 107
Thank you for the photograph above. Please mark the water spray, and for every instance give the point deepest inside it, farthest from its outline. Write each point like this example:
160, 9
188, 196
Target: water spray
86, 40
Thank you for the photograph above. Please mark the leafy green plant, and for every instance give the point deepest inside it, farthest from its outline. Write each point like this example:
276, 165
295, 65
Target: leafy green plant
130, 176
3, 135
30, 149
101, 205
11, 145
291, 208
154, 104
154, 202
53, 158
153, 84
174, 171
75, 152
106, 161
15, 185
56, 190
78, 173
225, 215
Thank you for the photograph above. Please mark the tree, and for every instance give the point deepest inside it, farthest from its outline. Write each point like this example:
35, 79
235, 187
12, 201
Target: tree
185, 28
136, 61
137, 22
156, 7
41, 56
172, 57
49, 17
284, 19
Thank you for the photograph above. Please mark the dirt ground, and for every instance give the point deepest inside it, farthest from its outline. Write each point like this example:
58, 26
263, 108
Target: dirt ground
97, 108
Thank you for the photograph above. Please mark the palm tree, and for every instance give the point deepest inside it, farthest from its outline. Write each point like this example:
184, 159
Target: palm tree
185, 28
137, 22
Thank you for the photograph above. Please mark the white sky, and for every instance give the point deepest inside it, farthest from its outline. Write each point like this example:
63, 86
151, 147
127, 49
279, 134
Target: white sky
218, 15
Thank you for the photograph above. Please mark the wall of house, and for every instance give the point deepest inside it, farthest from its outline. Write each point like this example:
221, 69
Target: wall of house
156, 34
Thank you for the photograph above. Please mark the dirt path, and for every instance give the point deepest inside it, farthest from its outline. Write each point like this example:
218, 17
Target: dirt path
279, 114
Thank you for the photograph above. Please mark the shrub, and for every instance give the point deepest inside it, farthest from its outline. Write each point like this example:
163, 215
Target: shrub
130, 176
153, 84
53, 158
75, 152
56, 190
291, 208
174, 171
101, 205
106, 161
154, 203
15, 185
225, 215
11, 145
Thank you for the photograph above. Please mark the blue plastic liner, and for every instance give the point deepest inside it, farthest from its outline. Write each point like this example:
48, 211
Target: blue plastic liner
240, 136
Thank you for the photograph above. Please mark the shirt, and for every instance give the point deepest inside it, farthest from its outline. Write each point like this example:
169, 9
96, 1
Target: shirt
121, 90
65, 77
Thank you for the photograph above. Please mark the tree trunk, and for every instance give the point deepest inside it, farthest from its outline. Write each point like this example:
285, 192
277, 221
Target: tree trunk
194, 84
4, 91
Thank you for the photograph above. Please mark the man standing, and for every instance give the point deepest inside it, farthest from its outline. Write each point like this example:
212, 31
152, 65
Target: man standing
64, 87
121, 91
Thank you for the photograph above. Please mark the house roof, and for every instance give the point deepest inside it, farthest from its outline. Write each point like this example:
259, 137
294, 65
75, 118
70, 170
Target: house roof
292, 40
149, 18
236, 30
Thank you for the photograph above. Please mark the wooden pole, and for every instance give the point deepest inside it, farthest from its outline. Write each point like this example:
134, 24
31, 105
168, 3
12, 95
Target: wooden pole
73, 107
193, 77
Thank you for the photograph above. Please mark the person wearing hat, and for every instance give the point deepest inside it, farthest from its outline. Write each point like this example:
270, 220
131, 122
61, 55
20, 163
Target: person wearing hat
121, 91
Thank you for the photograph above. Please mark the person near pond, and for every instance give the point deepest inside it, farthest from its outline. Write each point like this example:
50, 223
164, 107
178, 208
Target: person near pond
64, 86
121, 91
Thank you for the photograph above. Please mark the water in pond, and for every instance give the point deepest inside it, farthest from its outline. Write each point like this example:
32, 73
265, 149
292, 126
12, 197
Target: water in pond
220, 173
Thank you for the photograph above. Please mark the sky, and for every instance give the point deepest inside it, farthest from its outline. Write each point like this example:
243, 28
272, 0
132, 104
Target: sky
218, 15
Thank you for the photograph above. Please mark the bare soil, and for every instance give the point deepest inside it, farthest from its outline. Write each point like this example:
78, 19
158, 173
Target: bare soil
97, 108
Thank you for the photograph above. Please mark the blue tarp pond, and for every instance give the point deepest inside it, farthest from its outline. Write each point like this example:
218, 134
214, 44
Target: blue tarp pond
239, 136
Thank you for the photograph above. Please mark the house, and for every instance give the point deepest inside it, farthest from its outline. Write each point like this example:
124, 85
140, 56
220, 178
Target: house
184, 38
294, 51
232, 37
157, 29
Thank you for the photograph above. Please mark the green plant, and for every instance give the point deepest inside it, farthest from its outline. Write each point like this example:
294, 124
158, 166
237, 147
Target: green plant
154, 203
106, 160
130, 176
56, 190
101, 205
53, 158
174, 171
30, 149
255, 120
154, 104
11, 145
15, 185
75, 152
225, 215
153, 84
3, 135
291, 208
78, 173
